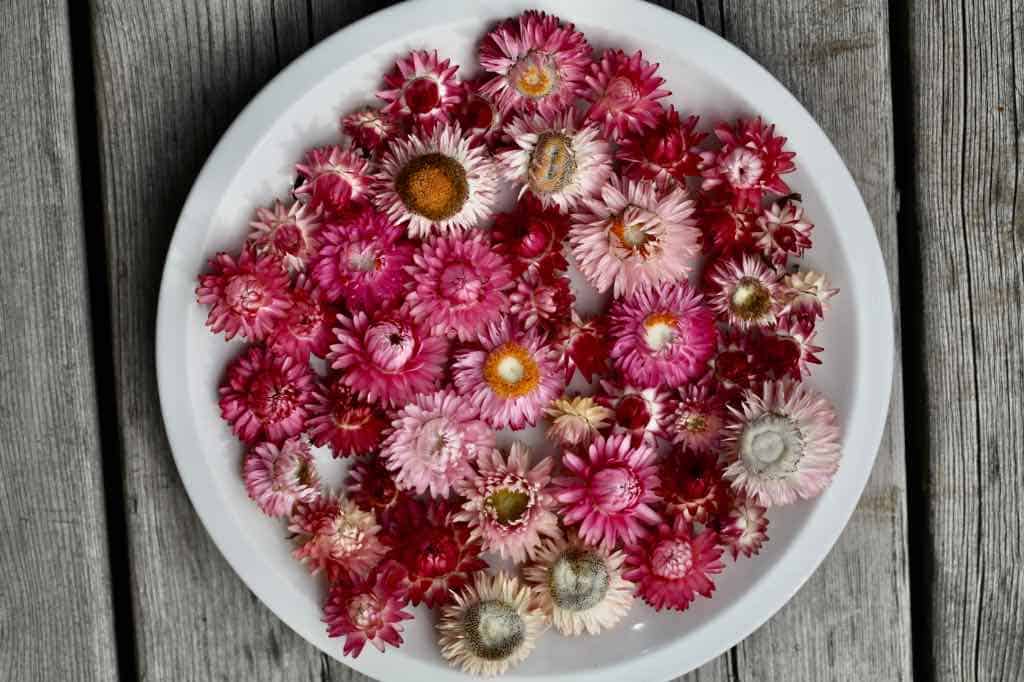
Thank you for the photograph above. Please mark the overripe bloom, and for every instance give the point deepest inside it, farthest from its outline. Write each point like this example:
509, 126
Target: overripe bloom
436, 182
783, 445
387, 358
670, 152
788, 350
276, 478
286, 232
306, 327
362, 261
422, 89
557, 160
744, 528
624, 93
508, 504
434, 441
608, 491
492, 625
266, 396
634, 234
750, 162
247, 297
335, 536
697, 419
539, 63
691, 485
539, 302
805, 295
333, 178
478, 114
662, 337
458, 285
583, 346
640, 412
580, 588
368, 610
438, 554
369, 128
511, 378
531, 237
674, 565
747, 292
339, 420
577, 421
783, 231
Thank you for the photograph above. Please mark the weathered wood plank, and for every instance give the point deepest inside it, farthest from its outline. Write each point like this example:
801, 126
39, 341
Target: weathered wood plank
56, 617
966, 80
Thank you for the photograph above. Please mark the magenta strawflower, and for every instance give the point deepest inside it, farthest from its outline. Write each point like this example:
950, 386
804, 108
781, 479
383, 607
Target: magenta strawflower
539, 302
749, 163
746, 292
609, 490
306, 328
433, 443
662, 337
247, 297
783, 231
387, 358
333, 178
674, 565
369, 610
508, 505
276, 478
670, 152
286, 232
511, 378
344, 423
336, 537
369, 128
624, 93
422, 89
266, 396
458, 286
697, 419
640, 412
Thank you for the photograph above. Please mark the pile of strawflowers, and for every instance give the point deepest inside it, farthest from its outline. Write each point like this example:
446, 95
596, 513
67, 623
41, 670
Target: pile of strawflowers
443, 321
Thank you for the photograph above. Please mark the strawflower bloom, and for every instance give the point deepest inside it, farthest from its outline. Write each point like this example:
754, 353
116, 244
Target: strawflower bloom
749, 163
788, 350
247, 296
624, 92
368, 610
333, 178
422, 89
670, 152
744, 528
691, 485
335, 536
783, 231
266, 396
276, 478
369, 128
531, 237
583, 345
341, 421
697, 419
286, 232
640, 412
806, 295
479, 115
540, 302
747, 293
674, 565
306, 327
577, 421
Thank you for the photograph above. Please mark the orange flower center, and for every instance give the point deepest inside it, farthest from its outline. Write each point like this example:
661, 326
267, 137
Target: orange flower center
660, 330
552, 164
510, 371
534, 75
433, 186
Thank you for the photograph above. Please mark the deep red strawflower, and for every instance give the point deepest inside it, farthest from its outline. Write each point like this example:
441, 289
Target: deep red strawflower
306, 328
584, 346
342, 421
783, 230
478, 115
247, 297
750, 162
727, 230
734, 367
532, 237
372, 487
691, 484
368, 610
670, 151
266, 396
674, 564
788, 350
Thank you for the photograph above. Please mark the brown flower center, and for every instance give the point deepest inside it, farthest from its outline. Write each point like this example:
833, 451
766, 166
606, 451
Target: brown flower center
433, 186
750, 300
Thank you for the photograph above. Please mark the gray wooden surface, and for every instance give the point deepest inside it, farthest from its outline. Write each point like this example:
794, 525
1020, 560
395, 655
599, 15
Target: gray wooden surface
107, 570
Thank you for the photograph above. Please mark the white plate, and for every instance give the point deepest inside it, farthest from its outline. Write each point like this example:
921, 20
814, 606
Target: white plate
254, 163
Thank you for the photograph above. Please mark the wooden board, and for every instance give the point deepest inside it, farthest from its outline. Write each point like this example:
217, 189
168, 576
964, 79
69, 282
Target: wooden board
965, 234
56, 619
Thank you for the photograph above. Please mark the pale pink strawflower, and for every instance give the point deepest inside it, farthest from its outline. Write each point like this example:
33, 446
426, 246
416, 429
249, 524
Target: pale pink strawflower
662, 337
336, 537
276, 478
697, 419
749, 163
609, 490
783, 231
806, 294
344, 423
388, 358
459, 286
624, 93
511, 378
247, 297
333, 178
286, 232
306, 328
422, 89
746, 293
577, 421
369, 128
538, 63
642, 413
744, 528
540, 302
783, 445
266, 396
633, 234
434, 441
368, 611
674, 565
508, 505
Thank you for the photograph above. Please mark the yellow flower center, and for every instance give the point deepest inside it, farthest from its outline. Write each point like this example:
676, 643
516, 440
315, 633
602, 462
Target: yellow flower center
433, 186
660, 330
750, 300
510, 371
534, 75
552, 164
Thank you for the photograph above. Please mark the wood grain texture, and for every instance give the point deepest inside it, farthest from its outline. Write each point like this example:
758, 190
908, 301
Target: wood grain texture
55, 602
967, 97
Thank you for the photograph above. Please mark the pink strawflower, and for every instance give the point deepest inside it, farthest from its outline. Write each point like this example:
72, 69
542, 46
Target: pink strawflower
478, 114
369, 128
286, 232
422, 89
670, 152
583, 345
697, 419
532, 237
662, 337
788, 350
363, 261
306, 327
634, 234
539, 302
674, 565
511, 378
276, 478
508, 503
335, 536
609, 491
640, 412
369, 610
333, 178
692, 485
746, 292
539, 63
459, 286
783, 445
247, 297
624, 93
266, 396
805, 295
339, 420
433, 443
387, 358
750, 162
783, 231
744, 528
